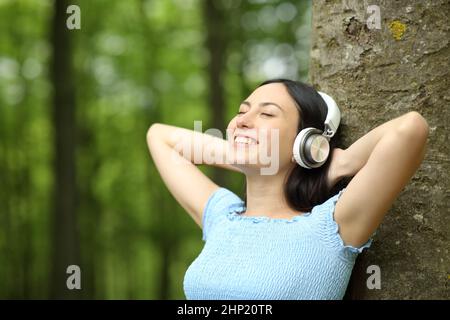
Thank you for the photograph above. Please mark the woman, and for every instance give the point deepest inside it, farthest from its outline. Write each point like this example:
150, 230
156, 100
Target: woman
294, 236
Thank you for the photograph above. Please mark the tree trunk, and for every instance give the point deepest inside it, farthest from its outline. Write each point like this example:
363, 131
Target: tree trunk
216, 44
65, 238
376, 75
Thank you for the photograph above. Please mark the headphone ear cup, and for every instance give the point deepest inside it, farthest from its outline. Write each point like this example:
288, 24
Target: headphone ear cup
311, 148
299, 147
316, 149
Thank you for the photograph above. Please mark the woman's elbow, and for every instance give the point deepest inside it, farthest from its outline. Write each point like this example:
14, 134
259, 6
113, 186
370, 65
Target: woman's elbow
152, 132
414, 126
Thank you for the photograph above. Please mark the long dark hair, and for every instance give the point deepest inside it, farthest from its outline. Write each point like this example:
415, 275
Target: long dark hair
306, 188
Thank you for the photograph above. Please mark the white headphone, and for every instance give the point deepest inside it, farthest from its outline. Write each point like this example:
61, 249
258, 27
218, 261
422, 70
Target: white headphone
311, 147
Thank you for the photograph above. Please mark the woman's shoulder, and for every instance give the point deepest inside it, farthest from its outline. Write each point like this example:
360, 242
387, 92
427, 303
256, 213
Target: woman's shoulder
222, 197
328, 229
221, 202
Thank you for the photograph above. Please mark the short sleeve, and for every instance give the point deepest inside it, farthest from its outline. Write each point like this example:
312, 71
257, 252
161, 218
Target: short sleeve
328, 228
220, 202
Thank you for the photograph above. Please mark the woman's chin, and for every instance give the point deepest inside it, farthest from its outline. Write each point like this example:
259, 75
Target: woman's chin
245, 156
247, 162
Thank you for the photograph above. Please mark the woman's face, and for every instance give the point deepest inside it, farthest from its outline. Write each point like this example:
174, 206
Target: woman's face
266, 124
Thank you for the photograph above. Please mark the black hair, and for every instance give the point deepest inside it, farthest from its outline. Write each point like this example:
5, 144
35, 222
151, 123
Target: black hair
306, 188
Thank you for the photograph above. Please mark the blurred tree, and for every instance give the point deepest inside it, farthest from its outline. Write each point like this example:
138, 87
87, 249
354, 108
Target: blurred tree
65, 234
216, 42
376, 75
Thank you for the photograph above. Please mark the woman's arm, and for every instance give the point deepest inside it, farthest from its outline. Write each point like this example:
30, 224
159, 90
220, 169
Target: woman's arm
347, 163
352, 159
197, 147
382, 162
175, 152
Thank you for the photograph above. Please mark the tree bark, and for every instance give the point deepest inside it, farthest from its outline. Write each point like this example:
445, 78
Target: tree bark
376, 75
64, 237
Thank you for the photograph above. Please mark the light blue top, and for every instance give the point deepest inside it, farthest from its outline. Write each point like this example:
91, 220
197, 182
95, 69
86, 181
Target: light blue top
264, 258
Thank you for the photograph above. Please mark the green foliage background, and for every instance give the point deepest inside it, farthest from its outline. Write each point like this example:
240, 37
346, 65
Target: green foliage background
134, 63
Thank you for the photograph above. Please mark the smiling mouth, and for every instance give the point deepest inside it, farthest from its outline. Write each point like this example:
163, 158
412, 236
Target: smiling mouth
244, 141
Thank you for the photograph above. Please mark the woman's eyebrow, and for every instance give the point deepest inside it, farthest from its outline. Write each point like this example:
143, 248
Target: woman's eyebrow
263, 104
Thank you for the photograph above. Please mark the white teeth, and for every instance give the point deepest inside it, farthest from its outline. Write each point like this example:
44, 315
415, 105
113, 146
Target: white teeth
245, 140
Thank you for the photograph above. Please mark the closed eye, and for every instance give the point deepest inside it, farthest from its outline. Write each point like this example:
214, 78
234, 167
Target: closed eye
266, 114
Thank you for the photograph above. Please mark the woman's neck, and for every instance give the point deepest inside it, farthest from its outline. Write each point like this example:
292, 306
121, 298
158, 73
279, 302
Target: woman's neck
265, 196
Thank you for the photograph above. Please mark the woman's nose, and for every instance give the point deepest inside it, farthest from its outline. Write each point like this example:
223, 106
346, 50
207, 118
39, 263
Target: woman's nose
244, 120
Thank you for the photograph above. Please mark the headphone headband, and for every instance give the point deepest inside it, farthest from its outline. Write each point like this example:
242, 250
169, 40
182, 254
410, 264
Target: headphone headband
333, 118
